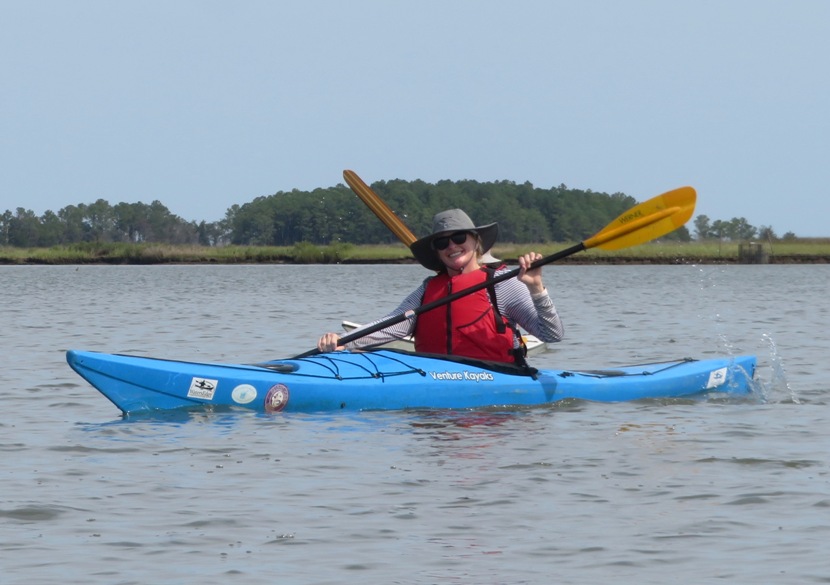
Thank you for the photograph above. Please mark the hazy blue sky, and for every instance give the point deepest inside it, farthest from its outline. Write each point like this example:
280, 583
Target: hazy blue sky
203, 104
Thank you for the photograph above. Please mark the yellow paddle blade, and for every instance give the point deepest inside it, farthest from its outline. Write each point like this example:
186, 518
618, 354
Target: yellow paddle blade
379, 207
649, 220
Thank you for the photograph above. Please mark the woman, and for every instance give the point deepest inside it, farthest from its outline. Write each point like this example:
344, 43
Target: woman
480, 325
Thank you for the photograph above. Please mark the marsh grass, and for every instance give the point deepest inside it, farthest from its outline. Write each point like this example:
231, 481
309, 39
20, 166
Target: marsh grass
802, 250
813, 249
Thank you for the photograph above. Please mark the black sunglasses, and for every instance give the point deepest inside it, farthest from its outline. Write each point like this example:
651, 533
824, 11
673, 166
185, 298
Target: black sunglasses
457, 238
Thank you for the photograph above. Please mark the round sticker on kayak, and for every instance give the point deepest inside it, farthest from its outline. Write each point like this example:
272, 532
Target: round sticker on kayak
243, 394
277, 398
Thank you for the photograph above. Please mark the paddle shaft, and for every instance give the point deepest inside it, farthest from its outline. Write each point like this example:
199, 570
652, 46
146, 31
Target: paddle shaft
395, 319
454, 296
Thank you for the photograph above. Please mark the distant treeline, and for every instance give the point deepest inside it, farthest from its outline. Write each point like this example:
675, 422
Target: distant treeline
526, 214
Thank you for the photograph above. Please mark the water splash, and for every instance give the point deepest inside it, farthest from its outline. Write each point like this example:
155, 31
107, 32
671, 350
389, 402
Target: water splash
778, 380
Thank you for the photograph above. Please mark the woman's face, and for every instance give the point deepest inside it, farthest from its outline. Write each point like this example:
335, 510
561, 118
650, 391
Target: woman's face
460, 254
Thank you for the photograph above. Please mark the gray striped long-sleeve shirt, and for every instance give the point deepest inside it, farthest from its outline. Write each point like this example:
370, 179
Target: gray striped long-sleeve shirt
535, 314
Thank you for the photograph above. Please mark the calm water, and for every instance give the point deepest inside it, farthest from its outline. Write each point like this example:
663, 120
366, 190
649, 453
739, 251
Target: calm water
726, 492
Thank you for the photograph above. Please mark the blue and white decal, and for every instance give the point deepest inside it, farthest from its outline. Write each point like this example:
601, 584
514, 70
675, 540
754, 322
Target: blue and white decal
716, 378
243, 394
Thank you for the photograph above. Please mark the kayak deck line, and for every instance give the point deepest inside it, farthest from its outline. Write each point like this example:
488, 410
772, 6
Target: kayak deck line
331, 362
617, 373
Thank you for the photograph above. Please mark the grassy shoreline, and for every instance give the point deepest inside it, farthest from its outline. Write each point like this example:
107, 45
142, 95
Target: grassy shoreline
812, 251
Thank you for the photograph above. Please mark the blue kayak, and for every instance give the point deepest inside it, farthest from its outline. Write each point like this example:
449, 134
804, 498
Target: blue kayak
392, 380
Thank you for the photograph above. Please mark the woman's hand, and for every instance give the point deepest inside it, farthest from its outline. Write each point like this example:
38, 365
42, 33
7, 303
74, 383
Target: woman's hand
328, 342
531, 278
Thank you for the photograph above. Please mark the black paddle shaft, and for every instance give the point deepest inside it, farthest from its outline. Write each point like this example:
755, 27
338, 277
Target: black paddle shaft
395, 319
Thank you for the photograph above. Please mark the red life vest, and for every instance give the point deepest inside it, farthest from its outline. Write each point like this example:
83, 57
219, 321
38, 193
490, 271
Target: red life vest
470, 326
